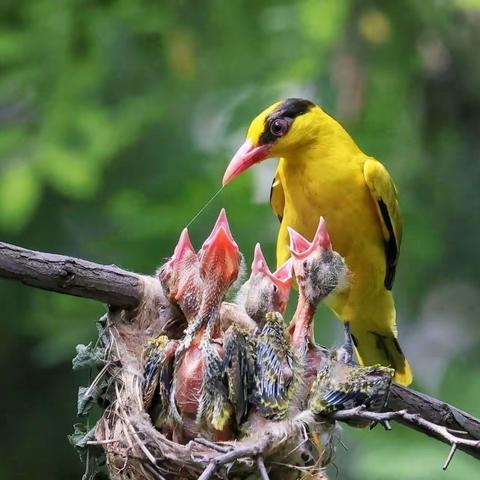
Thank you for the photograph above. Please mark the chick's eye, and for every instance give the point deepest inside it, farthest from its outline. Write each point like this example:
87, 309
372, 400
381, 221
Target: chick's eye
275, 288
305, 264
279, 127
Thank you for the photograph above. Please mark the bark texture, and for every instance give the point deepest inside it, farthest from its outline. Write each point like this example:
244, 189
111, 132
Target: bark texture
57, 273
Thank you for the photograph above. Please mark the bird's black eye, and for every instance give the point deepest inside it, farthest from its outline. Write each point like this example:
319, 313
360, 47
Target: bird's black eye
275, 288
305, 264
279, 127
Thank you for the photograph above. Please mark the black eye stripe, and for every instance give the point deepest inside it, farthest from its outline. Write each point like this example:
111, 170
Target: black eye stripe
289, 110
292, 107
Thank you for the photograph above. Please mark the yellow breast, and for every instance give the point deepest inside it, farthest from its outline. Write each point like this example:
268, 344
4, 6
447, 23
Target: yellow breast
334, 187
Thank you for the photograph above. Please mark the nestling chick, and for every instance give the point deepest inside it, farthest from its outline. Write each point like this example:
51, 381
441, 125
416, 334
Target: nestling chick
219, 266
318, 270
157, 372
342, 384
180, 280
238, 369
265, 291
180, 277
169, 321
199, 389
277, 374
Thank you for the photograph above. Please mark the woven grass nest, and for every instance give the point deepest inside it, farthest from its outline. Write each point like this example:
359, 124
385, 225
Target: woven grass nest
130, 447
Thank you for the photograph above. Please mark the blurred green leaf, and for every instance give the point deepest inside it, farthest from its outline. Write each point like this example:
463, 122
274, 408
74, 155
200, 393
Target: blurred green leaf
19, 195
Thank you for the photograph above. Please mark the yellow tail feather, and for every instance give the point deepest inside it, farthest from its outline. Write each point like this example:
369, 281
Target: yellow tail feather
383, 348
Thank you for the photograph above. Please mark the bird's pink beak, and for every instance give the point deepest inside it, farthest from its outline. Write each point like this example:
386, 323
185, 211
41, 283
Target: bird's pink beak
221, 229
301, 248
322, 237
184, 256
184, 246
259, 264
298, 244
281, 278
284, 273
246, 156
220, 253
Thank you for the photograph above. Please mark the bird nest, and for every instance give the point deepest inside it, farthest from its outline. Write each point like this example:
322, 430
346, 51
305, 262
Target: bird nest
126, 445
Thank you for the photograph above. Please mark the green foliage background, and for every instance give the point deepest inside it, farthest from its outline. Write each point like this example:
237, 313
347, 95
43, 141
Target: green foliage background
117, 119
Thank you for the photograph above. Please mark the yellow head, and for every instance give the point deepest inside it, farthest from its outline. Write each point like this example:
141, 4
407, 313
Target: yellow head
281, 128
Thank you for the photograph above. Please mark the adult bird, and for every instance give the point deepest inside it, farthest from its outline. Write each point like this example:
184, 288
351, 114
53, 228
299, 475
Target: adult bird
322, 171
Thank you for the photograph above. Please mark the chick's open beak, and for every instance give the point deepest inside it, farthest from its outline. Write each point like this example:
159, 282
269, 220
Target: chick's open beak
183, 247
259, 264
322, 238
177, 271
281, 278
220, 256
299, 245
284, 273
301, 248
246, 156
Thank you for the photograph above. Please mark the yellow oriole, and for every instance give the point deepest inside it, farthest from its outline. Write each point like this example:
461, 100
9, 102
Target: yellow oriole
322, 171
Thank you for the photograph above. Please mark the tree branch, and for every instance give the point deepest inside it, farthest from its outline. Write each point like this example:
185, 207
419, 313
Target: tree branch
415, 420
114, 286
105, 283
436, 412
433, 410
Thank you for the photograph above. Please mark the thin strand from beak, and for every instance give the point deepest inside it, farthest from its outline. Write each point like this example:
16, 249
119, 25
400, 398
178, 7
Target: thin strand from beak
212, 198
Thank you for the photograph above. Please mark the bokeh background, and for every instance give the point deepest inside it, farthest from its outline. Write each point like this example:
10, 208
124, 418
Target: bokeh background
117, 119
